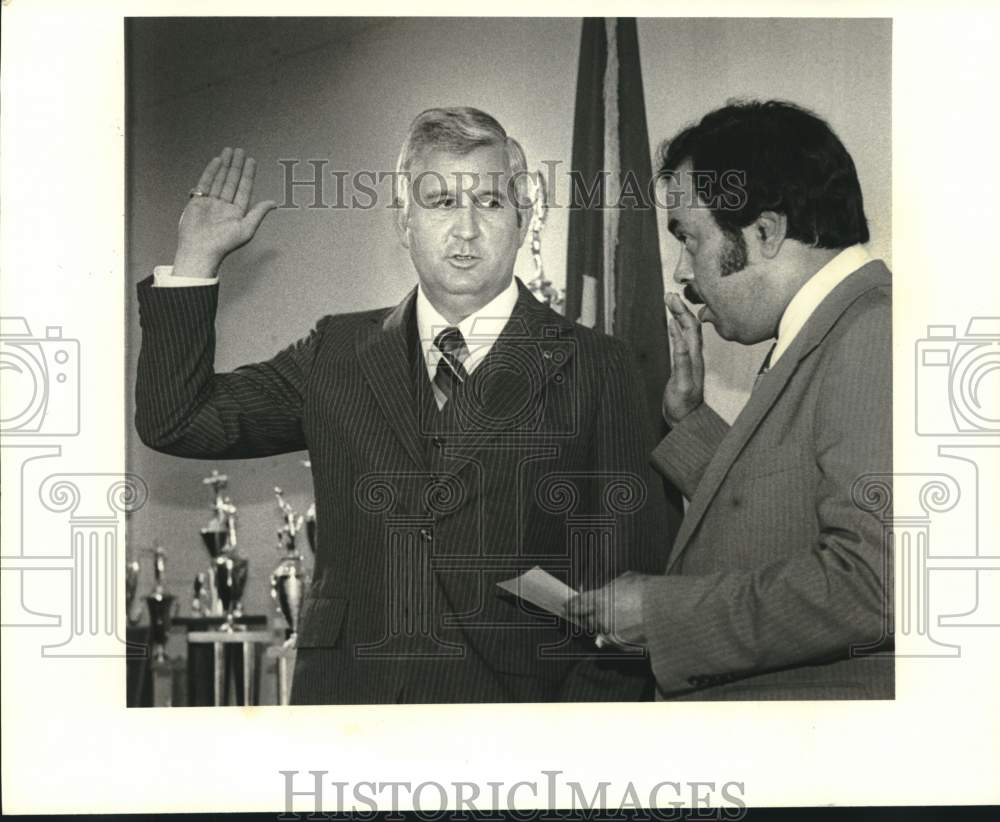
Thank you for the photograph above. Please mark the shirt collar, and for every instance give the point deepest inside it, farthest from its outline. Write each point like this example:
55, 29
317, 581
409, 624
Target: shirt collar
816, 289
480, 329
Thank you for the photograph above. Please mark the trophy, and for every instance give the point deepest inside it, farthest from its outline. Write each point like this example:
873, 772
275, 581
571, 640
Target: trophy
131, 586
230, 581
311, 518
220, 591
161, 608
288, 581
216, 534
229, 570
541, 287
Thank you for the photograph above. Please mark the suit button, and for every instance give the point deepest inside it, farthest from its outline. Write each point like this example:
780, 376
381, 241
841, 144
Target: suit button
425, 534
737, 501
438, 442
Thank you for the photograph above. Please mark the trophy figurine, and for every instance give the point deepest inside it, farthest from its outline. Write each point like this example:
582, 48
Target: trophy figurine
131, 586
288, 581
161, 608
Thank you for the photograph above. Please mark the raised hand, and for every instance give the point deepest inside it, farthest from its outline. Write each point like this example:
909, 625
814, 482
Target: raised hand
218, 218
685, 389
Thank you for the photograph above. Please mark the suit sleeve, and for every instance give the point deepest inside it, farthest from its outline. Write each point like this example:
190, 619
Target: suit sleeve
185, 409
683, 455
822, 598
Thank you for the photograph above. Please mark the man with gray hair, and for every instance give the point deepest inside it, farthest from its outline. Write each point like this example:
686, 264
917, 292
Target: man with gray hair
457, 439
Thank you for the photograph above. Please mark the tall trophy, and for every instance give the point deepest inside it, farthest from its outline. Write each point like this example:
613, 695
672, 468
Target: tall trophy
220, 592
289, 580
230, 573
215, 537
161, 608
131, 587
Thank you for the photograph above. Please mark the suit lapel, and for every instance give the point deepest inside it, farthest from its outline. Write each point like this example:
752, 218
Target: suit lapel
765, 394
385, 360
529, 351
501, 396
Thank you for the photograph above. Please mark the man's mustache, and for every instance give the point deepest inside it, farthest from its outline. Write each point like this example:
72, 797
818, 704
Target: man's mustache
692, 295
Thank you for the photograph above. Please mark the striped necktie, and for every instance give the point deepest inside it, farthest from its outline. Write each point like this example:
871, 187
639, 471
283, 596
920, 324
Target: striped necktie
764, 366
450, 372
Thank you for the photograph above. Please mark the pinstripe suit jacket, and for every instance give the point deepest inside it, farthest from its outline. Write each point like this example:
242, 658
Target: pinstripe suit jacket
541, 458
778, 577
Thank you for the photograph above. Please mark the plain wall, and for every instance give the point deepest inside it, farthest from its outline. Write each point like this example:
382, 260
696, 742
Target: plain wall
345, 91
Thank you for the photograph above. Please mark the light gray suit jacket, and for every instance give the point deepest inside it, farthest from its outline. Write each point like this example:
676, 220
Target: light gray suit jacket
779, 585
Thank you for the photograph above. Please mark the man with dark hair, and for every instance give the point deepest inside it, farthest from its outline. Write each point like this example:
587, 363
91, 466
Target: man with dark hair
779, 585
456, 440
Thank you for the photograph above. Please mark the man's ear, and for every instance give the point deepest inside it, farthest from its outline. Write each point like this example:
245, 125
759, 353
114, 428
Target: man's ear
769, 230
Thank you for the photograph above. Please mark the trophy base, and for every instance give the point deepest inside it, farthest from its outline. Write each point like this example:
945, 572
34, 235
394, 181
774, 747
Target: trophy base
232, 627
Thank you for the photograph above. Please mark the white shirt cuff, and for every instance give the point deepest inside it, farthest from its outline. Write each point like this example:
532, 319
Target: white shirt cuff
163, 277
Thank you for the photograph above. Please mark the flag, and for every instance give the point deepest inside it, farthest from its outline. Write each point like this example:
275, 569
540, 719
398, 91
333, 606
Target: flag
614, 278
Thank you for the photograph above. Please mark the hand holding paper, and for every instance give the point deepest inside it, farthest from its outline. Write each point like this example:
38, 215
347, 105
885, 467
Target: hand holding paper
613, 612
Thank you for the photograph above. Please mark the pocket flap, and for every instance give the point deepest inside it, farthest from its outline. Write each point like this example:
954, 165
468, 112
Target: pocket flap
322, 622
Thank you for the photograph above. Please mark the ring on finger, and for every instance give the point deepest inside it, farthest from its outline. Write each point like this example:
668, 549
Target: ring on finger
197, 192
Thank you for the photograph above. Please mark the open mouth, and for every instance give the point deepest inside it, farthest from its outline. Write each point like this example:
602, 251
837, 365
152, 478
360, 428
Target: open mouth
463, 260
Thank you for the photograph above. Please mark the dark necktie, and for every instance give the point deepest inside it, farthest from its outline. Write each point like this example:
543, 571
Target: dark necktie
450, 371
764, 366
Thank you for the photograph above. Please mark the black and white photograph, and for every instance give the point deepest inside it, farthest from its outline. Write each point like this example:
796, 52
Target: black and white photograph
501, 434
428, 413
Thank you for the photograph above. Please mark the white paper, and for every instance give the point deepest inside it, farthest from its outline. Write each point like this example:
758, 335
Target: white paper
542, 590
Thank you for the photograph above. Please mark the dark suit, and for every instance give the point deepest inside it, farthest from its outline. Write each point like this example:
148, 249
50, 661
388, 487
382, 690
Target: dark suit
781, 572
540, 458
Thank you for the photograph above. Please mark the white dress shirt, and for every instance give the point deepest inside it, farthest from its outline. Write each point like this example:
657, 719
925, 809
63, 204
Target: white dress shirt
480, 329
816, 289
163, 277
